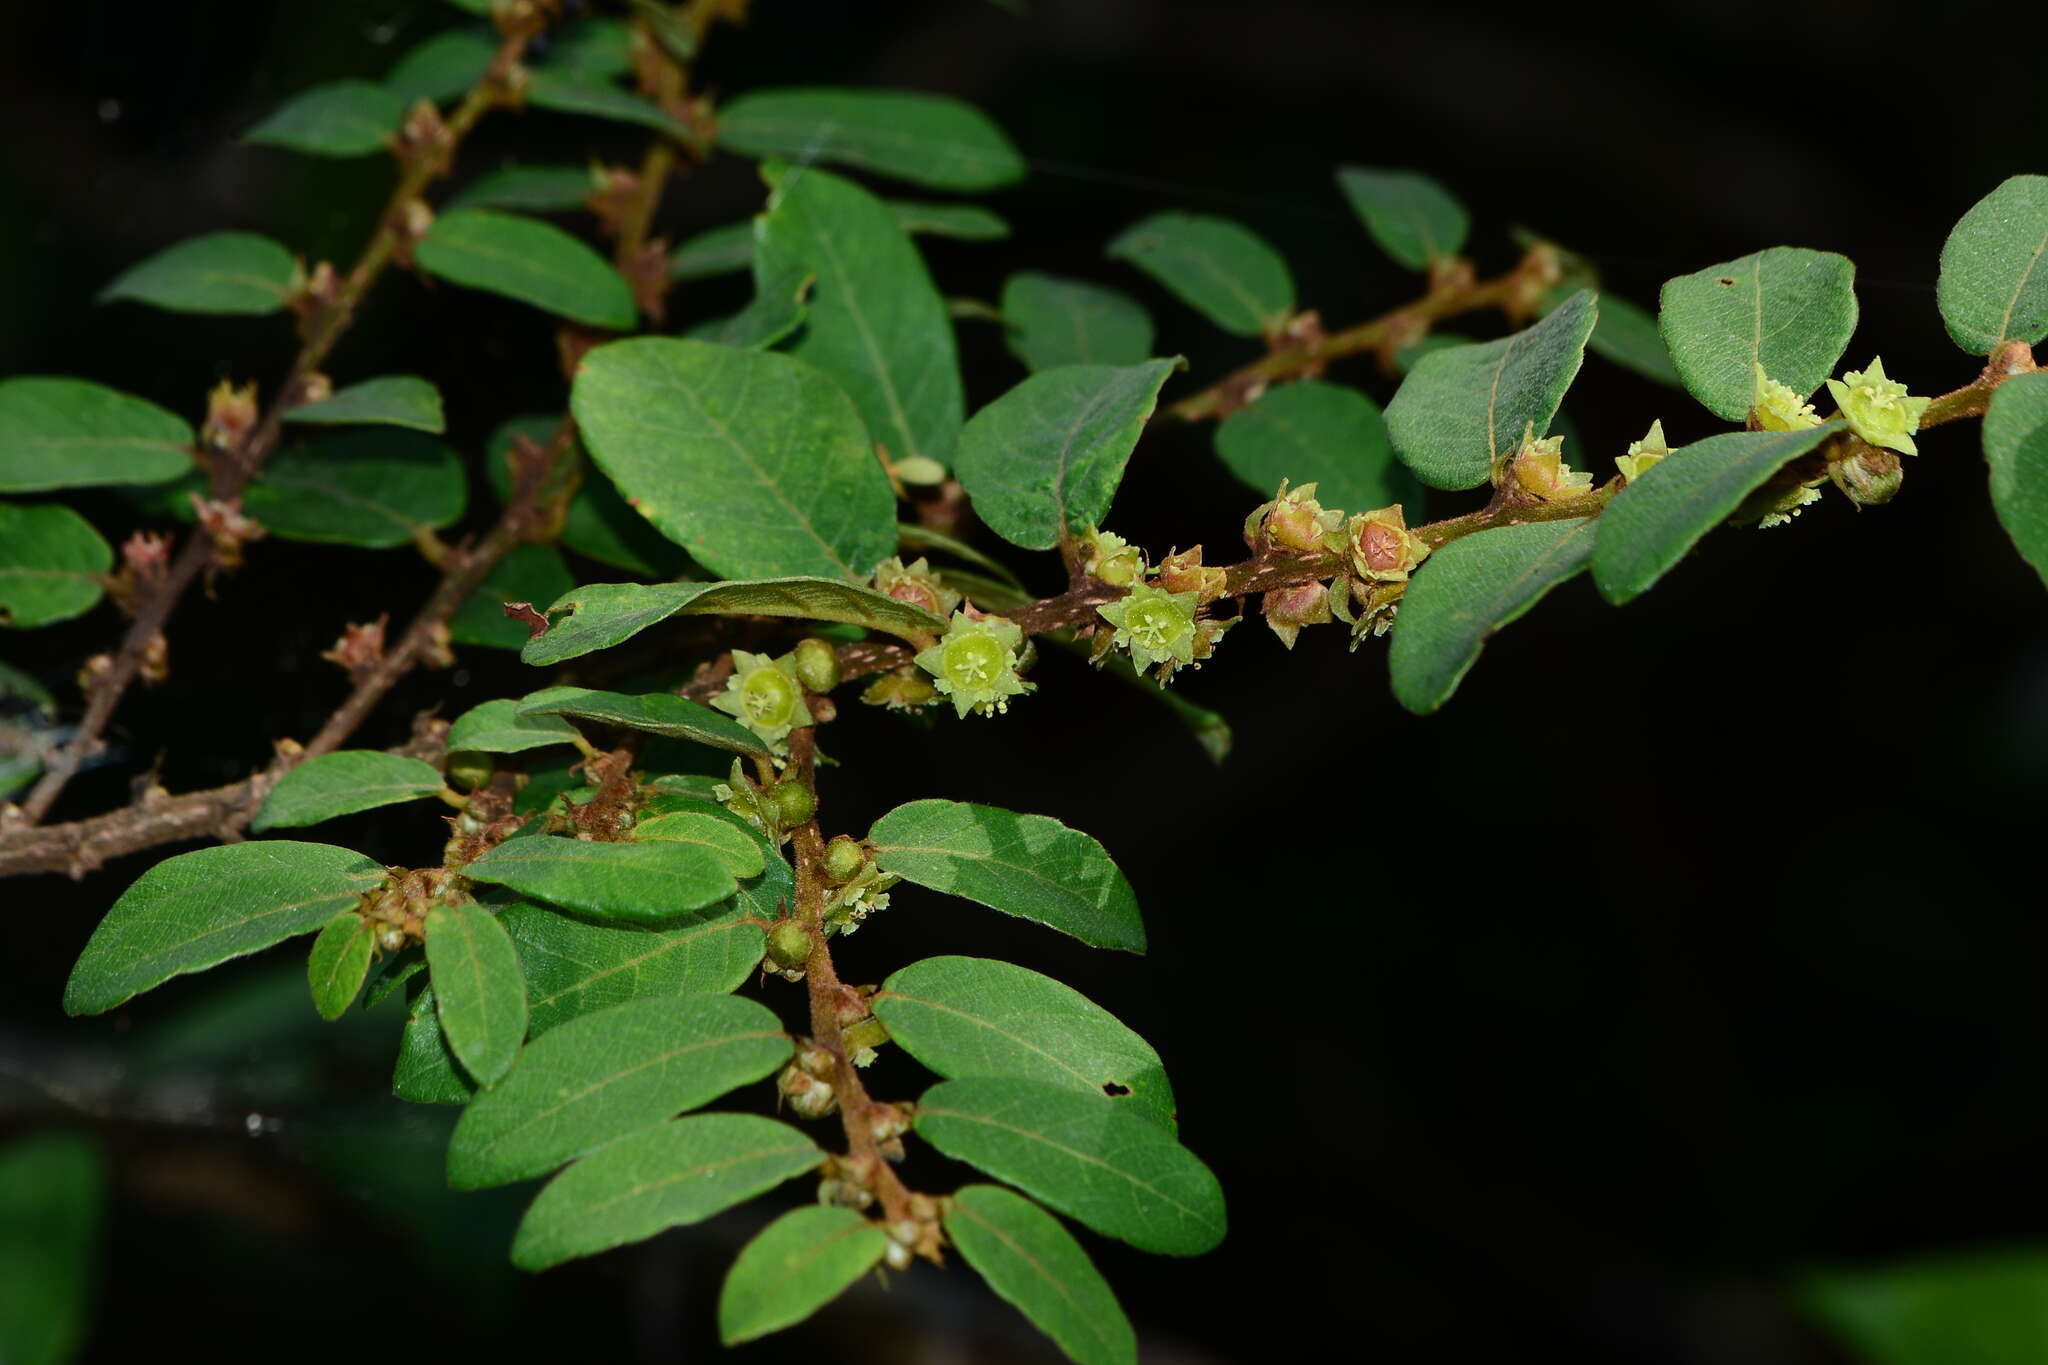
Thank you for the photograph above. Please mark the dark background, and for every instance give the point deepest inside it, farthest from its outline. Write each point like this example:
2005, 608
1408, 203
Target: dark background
1688, 949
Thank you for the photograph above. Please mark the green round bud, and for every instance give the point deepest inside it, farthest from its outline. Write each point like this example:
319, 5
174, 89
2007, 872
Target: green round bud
470, 768
817, 665
793, 802
844, 858
789, 945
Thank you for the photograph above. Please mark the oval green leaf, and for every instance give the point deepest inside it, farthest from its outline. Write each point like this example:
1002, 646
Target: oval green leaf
1994, 268
754, 462
1324, 434
648, 883
1656, 519
721, 251
426, 1071
657, 713
1628, 336
1036, 1265
600, 524
680, 1172
442, 67
1047, 456
573, 968
928, 139
52, 565
342, 118
221, 272
1219, 268
1787, 309
339, 962
68, 433
798, 1264
962, 222
1119, 1172
1031, 866
343, 783
607, 1074
534, 189
1462, 408
1051, 321
527, 260
1413, 218
398, 400
373, 489
199, 909
723, 839
479, 992
568, 92
2016, 444
497, 727
1468, 590
970, 1016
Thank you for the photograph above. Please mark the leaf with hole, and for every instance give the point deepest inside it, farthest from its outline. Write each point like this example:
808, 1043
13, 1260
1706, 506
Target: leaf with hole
527, 260
343, 783
1657, 518
1117, 1171
1031, 866
656, 713
341, 118
1036, 1265
795, 1266
1217, 267
1413, 218
478, 990
53, 565
196, 910
929, 139
376, 489
970, 1016
68, 433
398, 400
671, 1175
2016, 445
595, 1079
1325, 434
622, 883
1463, 408
1468, 590
1787, 309
573, 967
1051, 321
339, 962
221, 272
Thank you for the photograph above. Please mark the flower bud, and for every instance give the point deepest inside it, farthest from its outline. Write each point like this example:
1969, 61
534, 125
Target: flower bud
1185, 572
1869, 477
897, 1256
1294, 520
1540, 471
904, 689
844, 858
1643, 454
915, 584
1112, 559
470, 768
817, 665
789, 945
1287, 610
1382, 550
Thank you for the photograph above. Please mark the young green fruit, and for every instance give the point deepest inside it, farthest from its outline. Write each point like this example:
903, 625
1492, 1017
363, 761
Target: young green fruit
794, 802
817, 665
844, 858
789, 945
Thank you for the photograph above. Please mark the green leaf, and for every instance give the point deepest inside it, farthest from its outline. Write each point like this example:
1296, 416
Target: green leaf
600, 524
52, 564
1313, 432
496, 727
527, 260
798, 1264
1413, 218
970, 1016
656, 713
1656, 519
1051, 321
196, 910
399, 400
1046, 457
339, 962
52, 1197
1628, 336
375, 489
1994, 268
341, 118
1036, 1265
567, 92
532, 574
1217, 267
678, 1173
928, 139
1119, 1172
441, 68
876, 323
2016, 444
607, 1074
735, 849
535, 189
780, 305
427, 1072
67, 433
221, 272
636, 883
1471, 588
754, 462
721, 251
478, 989
1787, 309
573, 968
1972, 1308
595, 49
1031, 866
963, 222
1461, 409
343, 783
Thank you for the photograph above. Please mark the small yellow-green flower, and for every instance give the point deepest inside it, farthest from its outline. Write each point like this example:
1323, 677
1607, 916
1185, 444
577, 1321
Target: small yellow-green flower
916, 584
1382, 550
1777, 408
976, 664
1878, 409
1643, 454
1293, 520
764, 695
1790, 506
1154, 625
1540, 469
1113, 559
